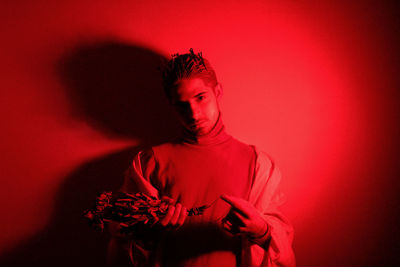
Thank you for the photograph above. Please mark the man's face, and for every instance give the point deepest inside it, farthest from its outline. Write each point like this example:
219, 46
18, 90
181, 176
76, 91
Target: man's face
196, 104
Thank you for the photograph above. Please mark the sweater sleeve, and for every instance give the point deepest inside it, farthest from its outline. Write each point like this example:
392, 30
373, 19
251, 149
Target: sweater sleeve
274, 249
139, 174
128, 251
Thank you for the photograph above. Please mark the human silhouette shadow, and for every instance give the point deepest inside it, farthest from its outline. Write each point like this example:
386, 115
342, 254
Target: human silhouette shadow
116, 88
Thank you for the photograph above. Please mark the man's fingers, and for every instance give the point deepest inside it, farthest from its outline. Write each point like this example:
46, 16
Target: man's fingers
232, 228
235, 222
236, 218
175, 216
227, 226
170, 212
236, 203
167, 200
182, 217
242, 218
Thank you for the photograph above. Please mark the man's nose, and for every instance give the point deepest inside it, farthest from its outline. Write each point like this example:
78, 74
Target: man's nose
194, 112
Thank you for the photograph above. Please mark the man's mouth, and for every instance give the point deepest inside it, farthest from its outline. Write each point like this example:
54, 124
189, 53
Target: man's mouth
197, 124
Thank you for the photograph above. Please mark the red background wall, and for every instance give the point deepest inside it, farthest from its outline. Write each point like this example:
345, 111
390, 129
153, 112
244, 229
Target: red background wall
313, 83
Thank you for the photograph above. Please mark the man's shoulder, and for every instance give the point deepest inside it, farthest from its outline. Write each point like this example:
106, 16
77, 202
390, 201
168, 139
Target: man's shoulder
244, 146
163, 146
158, 150
262, 157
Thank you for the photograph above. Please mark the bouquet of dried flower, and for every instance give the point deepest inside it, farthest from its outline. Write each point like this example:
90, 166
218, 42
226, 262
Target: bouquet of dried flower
130, 210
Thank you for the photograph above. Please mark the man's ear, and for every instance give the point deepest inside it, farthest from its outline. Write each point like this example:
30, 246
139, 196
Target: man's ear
218, 91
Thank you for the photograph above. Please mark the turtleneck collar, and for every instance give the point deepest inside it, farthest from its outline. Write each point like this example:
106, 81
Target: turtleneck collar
215, 136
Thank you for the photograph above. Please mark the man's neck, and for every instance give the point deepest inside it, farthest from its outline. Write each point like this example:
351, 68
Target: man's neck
216, 135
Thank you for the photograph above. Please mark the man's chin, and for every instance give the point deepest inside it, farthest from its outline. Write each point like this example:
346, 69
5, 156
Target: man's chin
198, 132
201, 133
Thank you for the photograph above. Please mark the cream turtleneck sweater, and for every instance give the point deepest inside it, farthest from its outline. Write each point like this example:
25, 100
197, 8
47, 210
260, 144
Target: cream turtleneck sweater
195, 171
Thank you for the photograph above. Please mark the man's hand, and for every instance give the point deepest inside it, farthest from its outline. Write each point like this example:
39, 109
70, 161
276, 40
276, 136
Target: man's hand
243, 218
176, 215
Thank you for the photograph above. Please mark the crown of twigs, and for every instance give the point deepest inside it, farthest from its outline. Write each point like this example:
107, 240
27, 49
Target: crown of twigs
183, 66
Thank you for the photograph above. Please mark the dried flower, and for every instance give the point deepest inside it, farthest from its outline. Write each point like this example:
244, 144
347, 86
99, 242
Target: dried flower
130, 210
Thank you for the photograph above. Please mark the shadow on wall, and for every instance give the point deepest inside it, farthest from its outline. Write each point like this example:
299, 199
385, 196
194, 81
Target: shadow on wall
117, 89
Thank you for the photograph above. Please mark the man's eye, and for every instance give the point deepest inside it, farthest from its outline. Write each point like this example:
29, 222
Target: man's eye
201, 97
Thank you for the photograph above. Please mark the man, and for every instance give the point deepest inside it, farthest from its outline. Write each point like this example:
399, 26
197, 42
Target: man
207, 166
